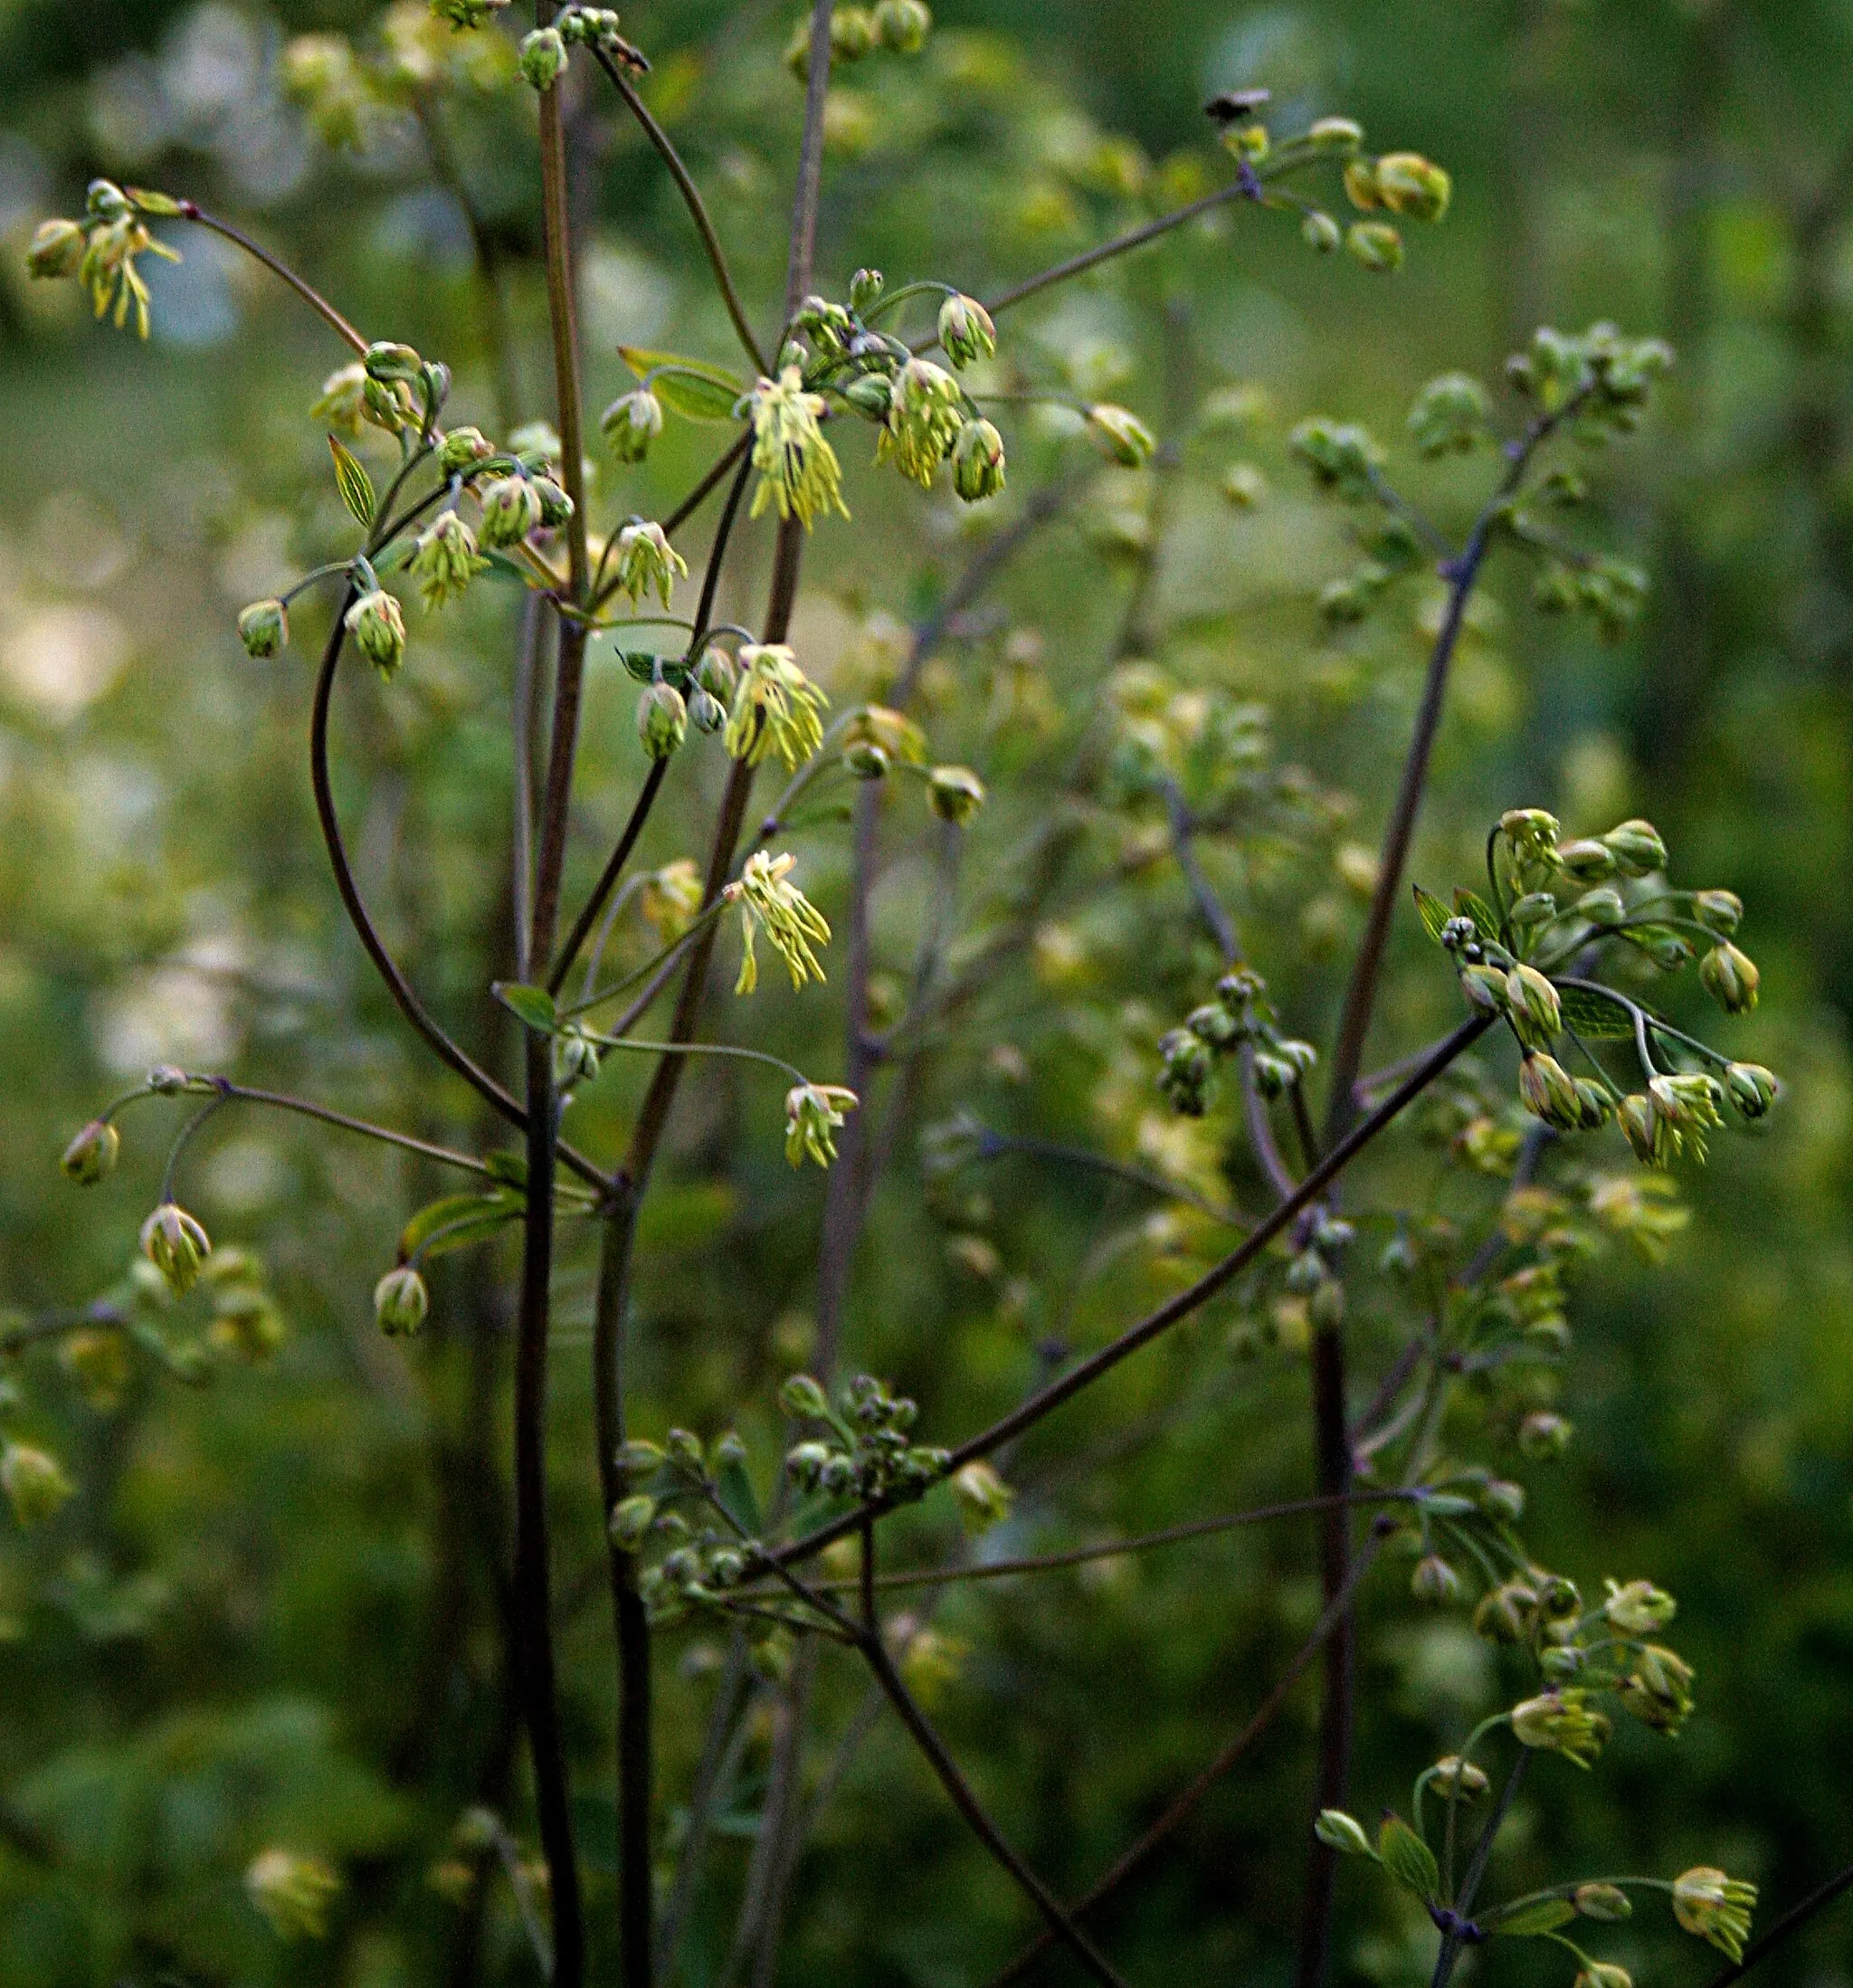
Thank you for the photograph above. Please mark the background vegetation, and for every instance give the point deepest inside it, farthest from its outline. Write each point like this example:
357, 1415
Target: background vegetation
271, 1613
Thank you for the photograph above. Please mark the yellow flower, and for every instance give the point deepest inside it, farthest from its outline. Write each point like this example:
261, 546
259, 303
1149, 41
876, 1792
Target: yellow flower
814, 1114
793, 923
775, 709
798, 469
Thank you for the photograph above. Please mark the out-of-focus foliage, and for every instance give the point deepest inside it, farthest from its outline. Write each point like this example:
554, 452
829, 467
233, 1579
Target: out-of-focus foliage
270, 1620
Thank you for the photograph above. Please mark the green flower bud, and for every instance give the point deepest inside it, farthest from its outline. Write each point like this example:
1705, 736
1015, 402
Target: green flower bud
1244, 486
34, 1484
378, 625
1719, 911
467, 13
1450, 415
1603, 1974
632, 1518
984, 1499
510, 511
1535, 907
462, 450
575, 1057
977, 461
1751, 1087
965, 330
293, 1893
1341, 136
1361, 185
1602, 1902
57, 250
1658, 1690
851, 34
543, 57
1639, 1608
957, 793
391, 363
867, 285
555, 506
1561, 1722
1588, 861
1501, 1499
814, 1115
901, 26
1434, 1581
445, 560
1342, 1832
91, 1155
1542, 1435
1376, 244
1637, 848
1602, 907
263, 628
176, 1245
639, 1456
631, 424
1319, 231
1730, 977
646, 559
400, 1302
1640, 1127
662, 720
1714, 1907
1507, 1613
866, 762
1408, 184
1458, 1778
1120, 435
804, 1397
1532, 1002
1485, 988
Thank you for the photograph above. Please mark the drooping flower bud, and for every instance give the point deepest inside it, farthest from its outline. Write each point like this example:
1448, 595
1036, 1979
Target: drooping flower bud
965, 330
1408, 184
91, 1155
176, 1245
977, 461
866, 287
555, 506
1339, 136
630, 1518
543, 57
391, 363
1375, 244
804, 1396
378, 625
1603, 1902
1751, 1087
1434, 1581
510, 511
851, 34
293, 1892
445, 561
1603, 1974
662, 719
57, 250
901, 26
1730, 977
1547, 1092
401, 1302
263, 628
34, 1482
984, 1499
1561, 1722
1537, 1015
1120, 435
1342, 1832
1639, 1126
1588, 861
1458, 1779
1507, 1613
1638, 1607
463, 449
1719, 911
1658, 1690
1637, 847
957, 793
1542, 1435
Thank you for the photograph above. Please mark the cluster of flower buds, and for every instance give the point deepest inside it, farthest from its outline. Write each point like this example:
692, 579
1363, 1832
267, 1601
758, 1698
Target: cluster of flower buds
864, 1452
100, 250
704, 1558
1342, 457
1612, 591
1557, 897
1238, 1019
899, 26
1449, 416
1606, 375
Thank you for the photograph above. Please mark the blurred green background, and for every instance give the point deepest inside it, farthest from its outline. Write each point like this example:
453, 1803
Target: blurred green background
272, 1614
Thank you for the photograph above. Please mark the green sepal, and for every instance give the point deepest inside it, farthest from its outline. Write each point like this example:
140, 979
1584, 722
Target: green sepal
353, 481
1408, 1858
1434, 913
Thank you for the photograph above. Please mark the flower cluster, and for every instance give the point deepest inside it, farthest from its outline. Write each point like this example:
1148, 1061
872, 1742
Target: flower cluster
793, 925
100, 250
775, 707
798, 470
864, 1452
1238, 1022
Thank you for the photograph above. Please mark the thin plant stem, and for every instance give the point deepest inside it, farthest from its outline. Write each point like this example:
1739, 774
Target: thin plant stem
1454, 1940
691, 195
1181, 1807
447, 1050
1187, 1302
191, 211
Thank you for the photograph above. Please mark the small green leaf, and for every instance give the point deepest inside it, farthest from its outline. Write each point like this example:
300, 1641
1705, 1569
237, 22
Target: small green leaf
533, 1007
145, 201
510, 1168
736, 1493
1408, 1858
1467, 906
1661, 944
1596, 1017
1434, 913
456, 1222
353, 481
1342, 1832
693, 387
1542, 1915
